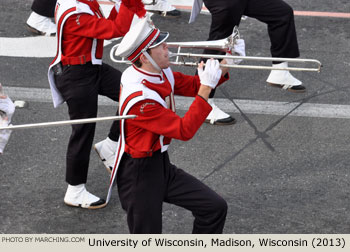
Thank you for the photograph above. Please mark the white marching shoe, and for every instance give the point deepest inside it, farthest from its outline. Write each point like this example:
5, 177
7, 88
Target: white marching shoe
78, 196
284, 79
217, 116
162, 7
41, 25
106, 150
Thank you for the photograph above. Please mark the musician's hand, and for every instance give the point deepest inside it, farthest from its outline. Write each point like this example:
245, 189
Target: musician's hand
224, 69
237, 50
239, 47
135, 6
7, 108
211, 75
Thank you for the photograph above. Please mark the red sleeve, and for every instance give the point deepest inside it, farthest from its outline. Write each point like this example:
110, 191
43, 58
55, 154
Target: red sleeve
113, 14
153, 117
188, 85
86, 25
223, 79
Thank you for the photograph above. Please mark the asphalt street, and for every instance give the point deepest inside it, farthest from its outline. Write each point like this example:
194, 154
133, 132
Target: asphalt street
279, 173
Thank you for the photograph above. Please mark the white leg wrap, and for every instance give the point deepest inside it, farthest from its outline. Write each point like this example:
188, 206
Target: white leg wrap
79, 196
41, 24
216, 113
160, 5
282, 77
106, 149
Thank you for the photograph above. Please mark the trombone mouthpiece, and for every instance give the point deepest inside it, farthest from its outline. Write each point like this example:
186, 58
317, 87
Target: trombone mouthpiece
171, 54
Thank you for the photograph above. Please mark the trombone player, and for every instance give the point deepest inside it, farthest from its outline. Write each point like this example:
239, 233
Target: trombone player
279, 17
146, 178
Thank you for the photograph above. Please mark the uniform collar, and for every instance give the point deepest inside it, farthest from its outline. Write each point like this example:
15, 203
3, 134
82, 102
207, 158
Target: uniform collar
159, 77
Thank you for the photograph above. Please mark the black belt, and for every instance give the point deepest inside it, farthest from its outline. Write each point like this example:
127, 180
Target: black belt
58, 68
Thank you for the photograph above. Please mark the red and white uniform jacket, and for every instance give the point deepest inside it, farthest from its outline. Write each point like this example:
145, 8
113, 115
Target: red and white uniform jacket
81, 30
150, 97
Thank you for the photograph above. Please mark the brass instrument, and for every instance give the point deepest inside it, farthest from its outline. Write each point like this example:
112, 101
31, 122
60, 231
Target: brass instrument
67, 122
224, 45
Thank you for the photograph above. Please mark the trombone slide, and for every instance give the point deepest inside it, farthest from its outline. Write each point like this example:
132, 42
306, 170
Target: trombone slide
183, 62
67, 122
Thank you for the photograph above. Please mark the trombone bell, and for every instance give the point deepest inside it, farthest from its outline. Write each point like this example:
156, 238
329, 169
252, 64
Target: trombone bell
219, 45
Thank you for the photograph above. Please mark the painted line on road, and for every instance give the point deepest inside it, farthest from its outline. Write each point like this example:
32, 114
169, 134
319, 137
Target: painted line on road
34, 47
183, 103
322, 14
38, 47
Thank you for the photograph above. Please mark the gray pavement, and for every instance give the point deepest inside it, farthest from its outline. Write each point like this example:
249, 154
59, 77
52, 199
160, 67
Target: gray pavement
279, 173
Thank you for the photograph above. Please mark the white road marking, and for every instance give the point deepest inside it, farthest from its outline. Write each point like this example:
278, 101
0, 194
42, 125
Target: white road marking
35, 47
183, 103
38, 47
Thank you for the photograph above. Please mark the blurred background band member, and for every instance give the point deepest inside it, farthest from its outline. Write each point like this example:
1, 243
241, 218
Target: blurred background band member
279, 17
40, 20
77, 76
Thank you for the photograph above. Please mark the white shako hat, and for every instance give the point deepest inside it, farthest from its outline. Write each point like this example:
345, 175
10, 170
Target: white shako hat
139, 38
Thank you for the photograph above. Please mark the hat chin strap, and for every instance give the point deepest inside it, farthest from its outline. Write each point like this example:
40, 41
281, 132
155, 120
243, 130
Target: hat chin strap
154, 64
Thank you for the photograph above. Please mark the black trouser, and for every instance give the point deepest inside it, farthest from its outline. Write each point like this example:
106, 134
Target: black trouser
277, 14
80, 86
145, 183
44, 7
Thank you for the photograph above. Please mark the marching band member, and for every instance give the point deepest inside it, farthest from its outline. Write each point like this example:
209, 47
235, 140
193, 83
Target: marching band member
77, 76
279, 17
145, 177
7, 109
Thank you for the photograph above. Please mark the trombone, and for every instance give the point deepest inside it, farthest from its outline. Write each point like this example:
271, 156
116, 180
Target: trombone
224, 45
66, 122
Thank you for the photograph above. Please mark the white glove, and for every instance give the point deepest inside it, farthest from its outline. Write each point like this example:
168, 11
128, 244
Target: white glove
238, 49
212, 73
7, 107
